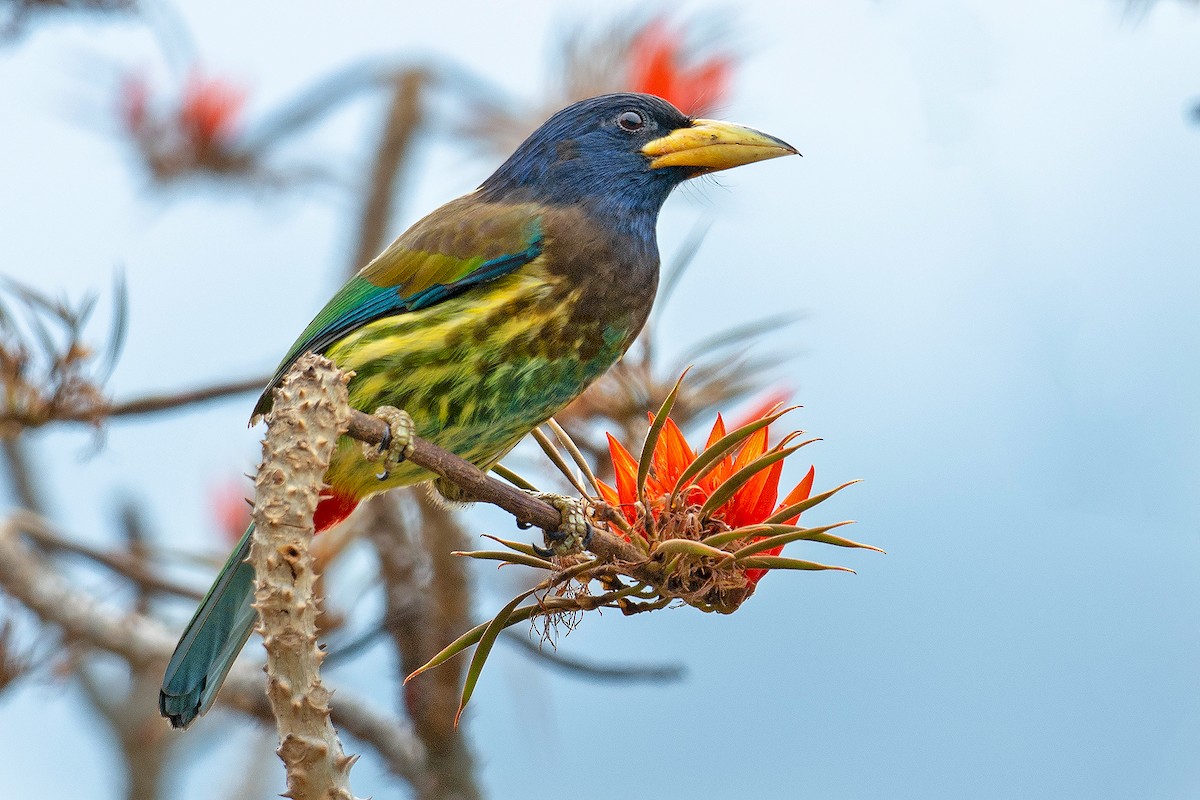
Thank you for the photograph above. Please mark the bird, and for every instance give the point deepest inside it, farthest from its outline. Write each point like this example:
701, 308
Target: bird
485, 318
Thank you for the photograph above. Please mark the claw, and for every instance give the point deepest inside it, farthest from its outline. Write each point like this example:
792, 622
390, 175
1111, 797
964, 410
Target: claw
396, 444
575, 532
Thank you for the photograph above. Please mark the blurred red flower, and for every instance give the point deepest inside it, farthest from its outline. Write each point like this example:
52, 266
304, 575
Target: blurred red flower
231, 509
210, 110
197, 132
658, 67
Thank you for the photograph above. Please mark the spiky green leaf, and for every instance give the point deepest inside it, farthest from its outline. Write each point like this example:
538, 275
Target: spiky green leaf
487, 640
513, 478
804, 505
747, 532
520, 547
688, 547
779, 562
737, 480
821, 535
507, 557
708, 459
660, 419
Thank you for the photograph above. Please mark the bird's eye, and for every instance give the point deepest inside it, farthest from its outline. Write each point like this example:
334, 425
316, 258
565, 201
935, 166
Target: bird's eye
631, 121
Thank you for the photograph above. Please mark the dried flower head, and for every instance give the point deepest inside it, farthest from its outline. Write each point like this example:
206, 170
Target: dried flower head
196, 133
47, 371
661, 63
632, 54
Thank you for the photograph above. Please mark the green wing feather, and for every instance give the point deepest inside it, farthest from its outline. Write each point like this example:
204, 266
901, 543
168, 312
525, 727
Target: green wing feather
461, 245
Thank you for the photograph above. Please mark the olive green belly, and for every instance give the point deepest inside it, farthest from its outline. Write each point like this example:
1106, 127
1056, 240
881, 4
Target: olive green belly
474, 381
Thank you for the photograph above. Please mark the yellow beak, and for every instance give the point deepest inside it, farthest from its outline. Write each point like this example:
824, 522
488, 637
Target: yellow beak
709, 145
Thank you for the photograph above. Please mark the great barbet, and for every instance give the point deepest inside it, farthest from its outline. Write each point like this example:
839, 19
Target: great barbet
487, 317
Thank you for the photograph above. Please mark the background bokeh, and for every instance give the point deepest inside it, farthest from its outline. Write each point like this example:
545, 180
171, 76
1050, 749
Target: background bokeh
993, 242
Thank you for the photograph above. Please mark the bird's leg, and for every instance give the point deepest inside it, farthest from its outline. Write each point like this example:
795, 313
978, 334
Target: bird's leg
574, 533
397, 440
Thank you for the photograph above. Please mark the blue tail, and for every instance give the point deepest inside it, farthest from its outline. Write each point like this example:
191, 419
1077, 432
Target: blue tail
211, 641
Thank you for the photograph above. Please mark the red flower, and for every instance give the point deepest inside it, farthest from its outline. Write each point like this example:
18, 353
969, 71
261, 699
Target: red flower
658, 68
209, 111
196, 133
774, 400
231, 509
752, 503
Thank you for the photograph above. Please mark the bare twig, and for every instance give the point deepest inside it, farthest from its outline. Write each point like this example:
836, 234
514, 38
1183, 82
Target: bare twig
175, 400
150, 404
20, 12
308, 415
122, 564
131, 716
15, 662
47, 370
590, 670
128, 706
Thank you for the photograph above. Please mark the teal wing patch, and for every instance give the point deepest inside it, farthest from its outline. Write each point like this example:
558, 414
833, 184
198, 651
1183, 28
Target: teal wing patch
360, 301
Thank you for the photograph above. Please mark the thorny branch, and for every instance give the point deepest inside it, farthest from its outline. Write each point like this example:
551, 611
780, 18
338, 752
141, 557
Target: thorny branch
172, 401
308, 415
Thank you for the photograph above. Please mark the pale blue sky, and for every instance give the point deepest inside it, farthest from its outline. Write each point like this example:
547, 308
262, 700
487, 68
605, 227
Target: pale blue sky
993, 237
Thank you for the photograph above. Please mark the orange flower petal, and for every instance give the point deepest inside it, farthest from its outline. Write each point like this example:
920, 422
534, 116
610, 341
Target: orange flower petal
798, 494
709, 84
653, 53
608, 494
754, 501
723, 468
678, 454
626, 468
718, 432
657, 66
752, 448
210, 109
658, 464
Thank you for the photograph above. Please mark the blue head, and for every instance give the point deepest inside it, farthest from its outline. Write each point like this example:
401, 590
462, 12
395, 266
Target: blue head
621, 155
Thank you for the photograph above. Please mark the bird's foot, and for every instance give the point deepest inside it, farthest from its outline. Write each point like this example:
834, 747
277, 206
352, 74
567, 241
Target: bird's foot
574, 533
397, 444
